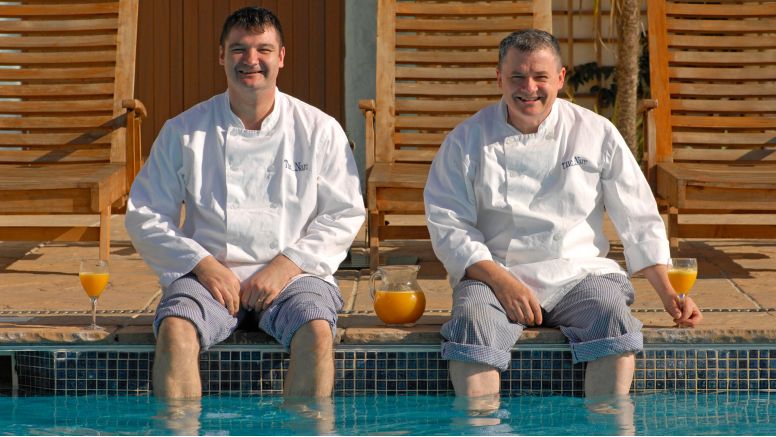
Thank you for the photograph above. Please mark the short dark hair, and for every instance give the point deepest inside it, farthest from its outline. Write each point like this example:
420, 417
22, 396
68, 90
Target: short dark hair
254, 19
529, 41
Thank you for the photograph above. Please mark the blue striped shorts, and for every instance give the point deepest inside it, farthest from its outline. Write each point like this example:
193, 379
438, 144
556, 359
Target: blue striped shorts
305, 299
594, 316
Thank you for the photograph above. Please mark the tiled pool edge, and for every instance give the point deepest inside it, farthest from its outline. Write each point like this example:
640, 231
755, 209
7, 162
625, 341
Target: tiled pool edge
393, 369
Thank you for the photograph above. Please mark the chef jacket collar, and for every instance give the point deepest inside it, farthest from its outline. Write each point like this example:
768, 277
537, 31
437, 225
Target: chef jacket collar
267, 126
545, 128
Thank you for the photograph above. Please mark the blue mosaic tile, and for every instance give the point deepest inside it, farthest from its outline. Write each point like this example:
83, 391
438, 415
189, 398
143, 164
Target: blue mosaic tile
422, 372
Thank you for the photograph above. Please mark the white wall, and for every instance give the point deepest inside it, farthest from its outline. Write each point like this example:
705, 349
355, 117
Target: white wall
360, 30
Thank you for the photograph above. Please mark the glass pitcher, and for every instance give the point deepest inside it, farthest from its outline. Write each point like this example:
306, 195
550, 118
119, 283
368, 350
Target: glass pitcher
398, 300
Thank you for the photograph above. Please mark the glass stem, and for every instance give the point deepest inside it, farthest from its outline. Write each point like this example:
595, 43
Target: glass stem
94, 311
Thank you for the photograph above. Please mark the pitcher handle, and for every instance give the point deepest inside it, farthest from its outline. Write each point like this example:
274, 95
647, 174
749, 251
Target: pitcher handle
372, 278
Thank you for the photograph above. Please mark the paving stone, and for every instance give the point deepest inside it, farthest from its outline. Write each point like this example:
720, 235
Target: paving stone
41, 300
733, 328
348, 282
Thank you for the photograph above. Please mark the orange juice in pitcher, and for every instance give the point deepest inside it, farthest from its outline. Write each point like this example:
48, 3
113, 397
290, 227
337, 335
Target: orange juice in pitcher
398, 300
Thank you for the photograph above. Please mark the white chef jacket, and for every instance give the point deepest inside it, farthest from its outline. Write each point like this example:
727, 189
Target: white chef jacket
534, 203
291, 187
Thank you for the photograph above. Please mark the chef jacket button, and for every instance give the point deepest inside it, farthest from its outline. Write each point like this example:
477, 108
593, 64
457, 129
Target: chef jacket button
270, 169
273, 245
273, 205
556, 237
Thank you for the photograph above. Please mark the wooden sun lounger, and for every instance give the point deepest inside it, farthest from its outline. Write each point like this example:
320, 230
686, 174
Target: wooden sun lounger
69, 125
436, 66
710, 130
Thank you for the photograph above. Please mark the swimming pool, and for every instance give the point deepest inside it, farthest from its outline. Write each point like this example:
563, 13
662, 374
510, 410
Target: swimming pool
660, 413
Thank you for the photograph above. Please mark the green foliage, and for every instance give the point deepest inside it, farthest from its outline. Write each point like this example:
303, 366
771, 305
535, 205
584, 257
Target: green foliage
604, 86
603, 80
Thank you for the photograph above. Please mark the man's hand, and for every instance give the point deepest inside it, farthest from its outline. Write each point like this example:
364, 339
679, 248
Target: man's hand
221, 282
519, 302
264, 286
683, 311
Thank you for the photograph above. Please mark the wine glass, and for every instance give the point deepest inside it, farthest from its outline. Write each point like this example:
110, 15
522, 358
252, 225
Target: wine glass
94, 276
682, 273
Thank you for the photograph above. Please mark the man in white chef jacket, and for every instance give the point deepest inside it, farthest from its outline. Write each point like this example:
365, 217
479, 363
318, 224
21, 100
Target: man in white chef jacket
272, 202
514, 203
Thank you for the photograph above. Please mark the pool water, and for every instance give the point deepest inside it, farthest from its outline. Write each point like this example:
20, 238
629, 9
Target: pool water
642, 414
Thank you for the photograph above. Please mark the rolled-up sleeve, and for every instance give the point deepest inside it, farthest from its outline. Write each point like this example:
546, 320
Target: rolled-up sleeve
451, 212
340, 213
154, 211
631, 206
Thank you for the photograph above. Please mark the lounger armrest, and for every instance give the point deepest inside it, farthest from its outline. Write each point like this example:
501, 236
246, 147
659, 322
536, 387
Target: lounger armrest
135, 105
368, 107
649, 159
136, 112
647, 105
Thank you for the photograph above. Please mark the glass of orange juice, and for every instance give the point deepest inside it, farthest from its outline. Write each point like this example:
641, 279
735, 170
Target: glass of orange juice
94, 276
682, 273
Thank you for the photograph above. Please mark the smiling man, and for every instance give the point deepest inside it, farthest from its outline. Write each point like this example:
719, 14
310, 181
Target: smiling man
272, 205
514, 204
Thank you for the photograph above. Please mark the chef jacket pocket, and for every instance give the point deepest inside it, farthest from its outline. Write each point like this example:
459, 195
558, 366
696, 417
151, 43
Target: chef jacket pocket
253, 234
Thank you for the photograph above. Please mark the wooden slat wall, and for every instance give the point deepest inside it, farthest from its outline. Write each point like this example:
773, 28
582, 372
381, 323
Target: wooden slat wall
720, 100
435, 55
177, 62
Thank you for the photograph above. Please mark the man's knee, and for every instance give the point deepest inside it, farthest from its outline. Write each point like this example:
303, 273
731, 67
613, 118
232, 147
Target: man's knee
177, 336
475, 313
614, 318
480, 323
612, 307
475, 303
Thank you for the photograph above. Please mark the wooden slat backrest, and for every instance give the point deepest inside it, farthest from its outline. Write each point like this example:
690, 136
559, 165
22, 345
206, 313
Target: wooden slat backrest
713, 74
436, 64
65, 67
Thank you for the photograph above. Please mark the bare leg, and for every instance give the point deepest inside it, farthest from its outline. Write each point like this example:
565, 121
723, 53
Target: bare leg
477, 391
176, 360
312, 416
478, 411
615, 411
311, 370
180, 416
474, 379
610, 375
624, 418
